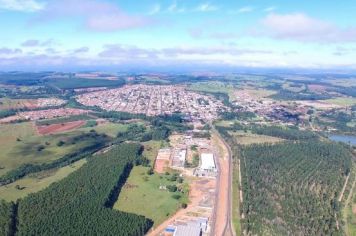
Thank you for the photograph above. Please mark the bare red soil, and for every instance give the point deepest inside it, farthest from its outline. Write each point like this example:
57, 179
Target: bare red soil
56, 128
161, 165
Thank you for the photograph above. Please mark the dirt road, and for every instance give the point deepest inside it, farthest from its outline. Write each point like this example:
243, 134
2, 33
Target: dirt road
223, 206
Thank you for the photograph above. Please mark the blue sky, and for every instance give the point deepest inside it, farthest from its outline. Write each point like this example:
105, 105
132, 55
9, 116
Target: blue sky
46, 34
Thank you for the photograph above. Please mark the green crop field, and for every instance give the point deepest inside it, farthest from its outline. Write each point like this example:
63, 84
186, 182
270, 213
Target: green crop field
20, 144
141, 195
36, 182
214, 87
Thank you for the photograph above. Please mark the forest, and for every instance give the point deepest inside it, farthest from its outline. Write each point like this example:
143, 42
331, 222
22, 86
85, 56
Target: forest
6, 213
81, 203
292, 188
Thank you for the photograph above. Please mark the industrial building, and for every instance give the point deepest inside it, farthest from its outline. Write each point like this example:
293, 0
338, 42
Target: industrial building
208, 162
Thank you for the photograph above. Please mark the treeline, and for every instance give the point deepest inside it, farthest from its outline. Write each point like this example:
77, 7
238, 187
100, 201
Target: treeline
283, 132
285, 94
289, 133
292, 188
100, 142
80, 204
7, 113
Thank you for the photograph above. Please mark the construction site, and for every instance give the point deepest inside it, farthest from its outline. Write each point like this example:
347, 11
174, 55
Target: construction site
196, 159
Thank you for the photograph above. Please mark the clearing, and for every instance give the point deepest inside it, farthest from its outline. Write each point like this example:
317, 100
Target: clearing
141, 195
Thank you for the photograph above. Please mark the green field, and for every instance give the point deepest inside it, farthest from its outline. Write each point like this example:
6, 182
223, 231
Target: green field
111, 129
214, 87
235, 199
248, 138
36, 182
20, 143
6, 103
342, 101
151, 149
141, 195
63, 120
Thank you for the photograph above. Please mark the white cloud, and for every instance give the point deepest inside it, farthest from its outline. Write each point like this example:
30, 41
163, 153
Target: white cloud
270, 9
206, 7
155, 9
174, 8
95, 15
22, 5
301, 27
245, 9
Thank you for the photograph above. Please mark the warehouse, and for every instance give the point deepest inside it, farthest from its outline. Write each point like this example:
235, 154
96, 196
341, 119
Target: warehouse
208, 162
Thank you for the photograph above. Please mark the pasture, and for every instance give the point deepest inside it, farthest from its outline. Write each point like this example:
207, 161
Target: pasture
20, 144
342, 101
36, 182
141, 195
248, 138
214, 87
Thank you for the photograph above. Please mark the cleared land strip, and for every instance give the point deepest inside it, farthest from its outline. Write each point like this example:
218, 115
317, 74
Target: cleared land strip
343, 188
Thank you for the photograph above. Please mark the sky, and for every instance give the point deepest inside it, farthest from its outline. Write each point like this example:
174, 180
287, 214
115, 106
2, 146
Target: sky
117, 34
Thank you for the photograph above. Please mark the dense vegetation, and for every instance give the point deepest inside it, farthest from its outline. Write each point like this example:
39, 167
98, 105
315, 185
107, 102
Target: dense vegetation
292, 188
283, 132
6, 113
6, 215
285, 94
81, 203
338, 120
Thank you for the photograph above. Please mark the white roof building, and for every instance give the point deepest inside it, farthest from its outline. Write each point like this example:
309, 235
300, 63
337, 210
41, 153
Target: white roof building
207, 162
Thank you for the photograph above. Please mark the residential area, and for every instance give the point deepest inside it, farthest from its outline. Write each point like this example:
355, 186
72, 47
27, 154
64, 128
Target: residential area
155, 100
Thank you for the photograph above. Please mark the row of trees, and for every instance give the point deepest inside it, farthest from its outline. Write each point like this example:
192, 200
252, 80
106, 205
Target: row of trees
283, 132
81, 203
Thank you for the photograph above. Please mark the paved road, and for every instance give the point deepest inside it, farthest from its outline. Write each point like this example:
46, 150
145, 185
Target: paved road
226, 193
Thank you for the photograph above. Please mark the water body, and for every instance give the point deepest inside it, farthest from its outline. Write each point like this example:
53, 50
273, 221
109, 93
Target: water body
343, 138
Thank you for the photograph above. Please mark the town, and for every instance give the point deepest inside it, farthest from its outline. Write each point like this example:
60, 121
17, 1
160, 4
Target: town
155, 100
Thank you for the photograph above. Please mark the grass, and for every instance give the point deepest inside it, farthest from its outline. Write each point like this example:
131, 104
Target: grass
214, 87
260, 93
7, 103
63, 120
349, 216
342, 101
111, 129
20, 142
151, 149
36, 182
141, 195
248, 138
235, 199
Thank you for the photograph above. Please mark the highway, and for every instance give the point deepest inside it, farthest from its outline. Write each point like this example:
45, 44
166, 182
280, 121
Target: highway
224, 195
